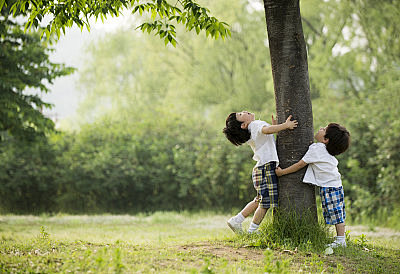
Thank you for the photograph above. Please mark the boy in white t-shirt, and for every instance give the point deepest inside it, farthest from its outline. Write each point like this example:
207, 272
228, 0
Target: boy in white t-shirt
322, 171
241, 128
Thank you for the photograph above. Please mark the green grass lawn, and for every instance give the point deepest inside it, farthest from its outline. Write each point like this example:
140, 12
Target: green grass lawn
174, 243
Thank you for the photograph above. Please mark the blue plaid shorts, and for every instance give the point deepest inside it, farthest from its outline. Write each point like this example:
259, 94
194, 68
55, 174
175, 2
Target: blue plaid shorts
332, 199
265, 182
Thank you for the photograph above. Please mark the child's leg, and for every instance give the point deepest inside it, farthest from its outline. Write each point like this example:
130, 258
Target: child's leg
235, 223
340, 229
340, 238
257, 218
259, 215
332, 199
250, 208
265, 182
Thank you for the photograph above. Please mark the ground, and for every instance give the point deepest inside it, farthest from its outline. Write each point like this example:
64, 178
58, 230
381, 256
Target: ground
175, 243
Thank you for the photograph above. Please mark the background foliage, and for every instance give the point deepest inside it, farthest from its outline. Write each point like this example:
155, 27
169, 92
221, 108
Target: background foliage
150, 127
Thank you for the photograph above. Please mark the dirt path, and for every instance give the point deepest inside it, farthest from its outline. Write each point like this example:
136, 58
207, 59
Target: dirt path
246, 253
222, 251
375, 232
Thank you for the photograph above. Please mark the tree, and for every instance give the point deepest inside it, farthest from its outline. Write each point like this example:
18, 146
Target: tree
292, 95
24, 62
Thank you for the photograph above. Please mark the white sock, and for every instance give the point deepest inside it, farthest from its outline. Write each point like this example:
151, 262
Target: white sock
340, 239
253, 227
239, 218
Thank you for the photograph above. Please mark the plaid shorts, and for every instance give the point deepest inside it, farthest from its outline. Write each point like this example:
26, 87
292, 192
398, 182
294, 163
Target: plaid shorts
266, 184
332, 199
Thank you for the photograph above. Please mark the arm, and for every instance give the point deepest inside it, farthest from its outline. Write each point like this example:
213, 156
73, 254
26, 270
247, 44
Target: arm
293, 168
276, 128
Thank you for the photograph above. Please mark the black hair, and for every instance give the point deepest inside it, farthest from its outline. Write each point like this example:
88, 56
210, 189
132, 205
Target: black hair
234, 131
339, 139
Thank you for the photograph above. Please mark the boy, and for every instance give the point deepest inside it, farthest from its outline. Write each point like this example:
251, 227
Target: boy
240, 128
322, 171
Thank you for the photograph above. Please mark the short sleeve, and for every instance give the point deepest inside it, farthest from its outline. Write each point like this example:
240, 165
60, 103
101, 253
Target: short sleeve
311, 155
256, 127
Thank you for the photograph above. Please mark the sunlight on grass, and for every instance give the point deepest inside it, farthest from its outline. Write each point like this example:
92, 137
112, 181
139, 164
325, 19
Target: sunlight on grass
174, 242
139, 229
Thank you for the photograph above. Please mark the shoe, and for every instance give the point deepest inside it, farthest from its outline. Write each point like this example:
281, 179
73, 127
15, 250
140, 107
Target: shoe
257, 232
337, 244
234, 225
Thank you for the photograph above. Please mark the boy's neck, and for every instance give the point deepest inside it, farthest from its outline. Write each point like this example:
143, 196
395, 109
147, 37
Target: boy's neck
249, 124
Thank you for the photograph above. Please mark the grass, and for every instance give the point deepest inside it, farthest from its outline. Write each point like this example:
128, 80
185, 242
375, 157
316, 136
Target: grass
176, 243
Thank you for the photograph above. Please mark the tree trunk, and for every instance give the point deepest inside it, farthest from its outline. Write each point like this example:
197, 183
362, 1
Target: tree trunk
292, 96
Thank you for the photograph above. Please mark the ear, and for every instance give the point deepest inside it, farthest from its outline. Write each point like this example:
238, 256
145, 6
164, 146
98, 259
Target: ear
244, 125
325, 141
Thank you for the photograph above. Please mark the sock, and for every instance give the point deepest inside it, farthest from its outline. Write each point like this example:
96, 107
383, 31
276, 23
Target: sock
239, 218
340, 239
253, 227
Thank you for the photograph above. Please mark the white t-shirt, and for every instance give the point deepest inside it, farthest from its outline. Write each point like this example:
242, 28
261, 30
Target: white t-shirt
322, 167
263, 145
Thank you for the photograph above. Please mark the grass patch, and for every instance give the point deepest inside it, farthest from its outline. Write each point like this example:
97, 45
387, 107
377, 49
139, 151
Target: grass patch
179, 243
288, 231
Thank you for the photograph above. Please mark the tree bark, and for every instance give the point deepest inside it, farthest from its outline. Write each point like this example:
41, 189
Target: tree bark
292, 96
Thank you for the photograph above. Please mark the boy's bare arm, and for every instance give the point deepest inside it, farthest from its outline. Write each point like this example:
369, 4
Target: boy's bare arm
293, 168
276, 128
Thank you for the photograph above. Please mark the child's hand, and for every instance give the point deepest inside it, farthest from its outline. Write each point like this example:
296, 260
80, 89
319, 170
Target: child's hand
278, 171
274, 122
291, 124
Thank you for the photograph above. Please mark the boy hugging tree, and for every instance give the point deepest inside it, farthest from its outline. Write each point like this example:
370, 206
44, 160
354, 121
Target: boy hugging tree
241, 127
322, 171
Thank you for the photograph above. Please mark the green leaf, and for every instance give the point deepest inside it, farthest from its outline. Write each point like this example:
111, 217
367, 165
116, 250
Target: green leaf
216, 35
162, 33
173, 42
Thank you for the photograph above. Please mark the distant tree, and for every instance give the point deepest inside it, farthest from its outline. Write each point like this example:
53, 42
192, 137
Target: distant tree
24, 63
137, 73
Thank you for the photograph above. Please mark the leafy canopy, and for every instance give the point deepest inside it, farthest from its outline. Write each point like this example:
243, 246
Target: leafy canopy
24, 63
163, 15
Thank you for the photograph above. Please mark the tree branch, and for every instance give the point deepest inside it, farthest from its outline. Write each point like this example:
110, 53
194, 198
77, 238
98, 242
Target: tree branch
311, 26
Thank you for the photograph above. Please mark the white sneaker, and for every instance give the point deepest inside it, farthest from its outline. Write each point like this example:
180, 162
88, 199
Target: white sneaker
234, 225
336, 244
257, 232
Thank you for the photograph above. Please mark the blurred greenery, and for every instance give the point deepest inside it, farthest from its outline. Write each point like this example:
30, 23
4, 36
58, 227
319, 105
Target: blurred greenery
150, 127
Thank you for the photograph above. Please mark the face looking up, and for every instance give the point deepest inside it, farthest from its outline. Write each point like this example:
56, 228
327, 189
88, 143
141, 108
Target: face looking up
320, 135
245, 117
